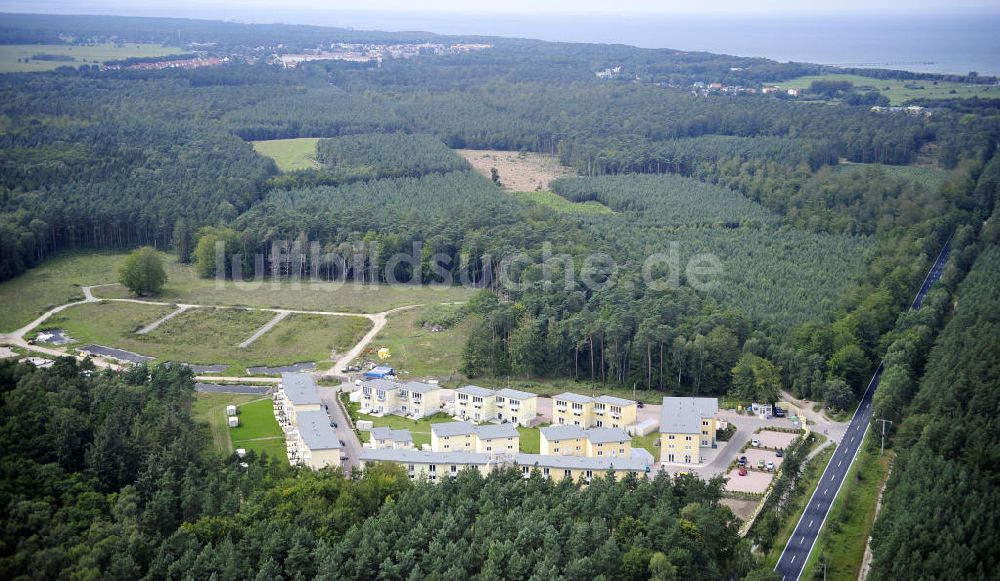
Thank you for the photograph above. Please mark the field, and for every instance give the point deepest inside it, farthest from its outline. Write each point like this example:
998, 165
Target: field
519, 171
419, 352
210, 408
561, 204
11, 54
420, 429
184, 286
647, 443
55, 282
897, 91
290, 154
841, 543
208, 336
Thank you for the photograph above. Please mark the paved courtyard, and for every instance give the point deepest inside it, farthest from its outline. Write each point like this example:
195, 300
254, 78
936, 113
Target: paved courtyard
755, 454
755, 481
775, 440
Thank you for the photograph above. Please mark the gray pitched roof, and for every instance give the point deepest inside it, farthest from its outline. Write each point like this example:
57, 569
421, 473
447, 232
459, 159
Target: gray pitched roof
420, 387
453, 429
489, 431
476, 390
605, 435
382, 384
612, 400
314, 427
479, 459
300, 388
581, 463
683, 415
515, 394
573, 397
384, 433
424, 457
562, 432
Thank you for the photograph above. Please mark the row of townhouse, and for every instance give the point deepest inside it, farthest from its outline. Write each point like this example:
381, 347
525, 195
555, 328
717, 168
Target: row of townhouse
479, 405
308, 435
687, 424
573, 409
437, 465
592, 443
468, 437
413, 399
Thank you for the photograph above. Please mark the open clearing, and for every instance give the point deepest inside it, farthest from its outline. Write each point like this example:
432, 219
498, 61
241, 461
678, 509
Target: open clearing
207, 335
55, 282
519, 171
258, 430
561, 204
900, 91
290, 154
415, 350
82, 55
184, 286
210, 408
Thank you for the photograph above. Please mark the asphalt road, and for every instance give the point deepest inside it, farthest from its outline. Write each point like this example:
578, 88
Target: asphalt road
344, 432
803, 538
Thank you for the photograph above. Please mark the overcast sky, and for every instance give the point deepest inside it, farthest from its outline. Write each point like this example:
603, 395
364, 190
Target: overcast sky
214, 8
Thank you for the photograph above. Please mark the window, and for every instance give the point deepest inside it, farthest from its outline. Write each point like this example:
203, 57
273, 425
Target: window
567, 473
432, 468
562, 421
410, 467
545, 471
489, 448
670, 437
704, 422
446, 446
687, 458
600, 424
454, 469
555, 450
670, 457
578, 448
600, 453
688, 438
590, 474
576, 422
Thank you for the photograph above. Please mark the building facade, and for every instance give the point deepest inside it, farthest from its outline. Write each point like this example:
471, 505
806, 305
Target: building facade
687, 425
418, 399
475, 404
468, 437
313, 442
296, 393
573, 409
593, 443
517, 407
390, 439
380, 397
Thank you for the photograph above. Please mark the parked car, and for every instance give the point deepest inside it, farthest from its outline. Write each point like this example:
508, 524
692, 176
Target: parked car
343, 443
770, 466
779, 453
778, 412
743, 472
760, 464
755, 442
333, 424
742, 461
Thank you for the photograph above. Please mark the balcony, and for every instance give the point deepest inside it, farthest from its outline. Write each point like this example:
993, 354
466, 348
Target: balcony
381, 398
598, 412
515, 406
500, 404
577, 412
560, 408
477, 406
616, 415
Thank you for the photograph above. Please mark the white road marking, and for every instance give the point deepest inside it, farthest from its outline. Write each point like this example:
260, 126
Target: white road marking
793, 558
827, 490
839, 463
811, 523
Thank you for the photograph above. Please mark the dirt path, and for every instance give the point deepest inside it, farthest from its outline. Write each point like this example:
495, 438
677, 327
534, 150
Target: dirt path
378, 323
267, 327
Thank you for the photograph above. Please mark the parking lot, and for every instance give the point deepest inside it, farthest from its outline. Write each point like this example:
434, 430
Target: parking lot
754, 455
774, 440
755, 481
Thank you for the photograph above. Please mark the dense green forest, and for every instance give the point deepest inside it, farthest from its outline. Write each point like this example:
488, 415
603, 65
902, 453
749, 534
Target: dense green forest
818, 255
107, 476
941, 500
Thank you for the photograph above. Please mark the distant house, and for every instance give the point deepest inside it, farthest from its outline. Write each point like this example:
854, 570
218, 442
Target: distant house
794, 92
315, 442
715, 86
475, 404
517, 407
687, 424
390, 439
593, 443
770, 90
573, 409
380, 397
467, 437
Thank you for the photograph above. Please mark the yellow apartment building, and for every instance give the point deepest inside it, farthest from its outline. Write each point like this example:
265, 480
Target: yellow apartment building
314, 442
467, 437
418, 399
573, 409
593, 443
475, 404
687, 424
517, 407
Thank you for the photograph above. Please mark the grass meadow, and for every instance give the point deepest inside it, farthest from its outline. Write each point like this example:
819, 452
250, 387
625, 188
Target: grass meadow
290, 154
17, 58
417, 352
897, 90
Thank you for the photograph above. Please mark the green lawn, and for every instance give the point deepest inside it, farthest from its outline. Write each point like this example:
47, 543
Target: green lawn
184, 286
417, 352
210, 408
290, 154
561, 204
258, 430
808, 481
531, 439
420, 429
209, 335
896, 90
841, 543
55, 282
549, 387
648, 443
11, 54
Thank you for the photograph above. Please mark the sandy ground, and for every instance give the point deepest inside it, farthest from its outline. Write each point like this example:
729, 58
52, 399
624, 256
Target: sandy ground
775, 440
741, 508
519, 172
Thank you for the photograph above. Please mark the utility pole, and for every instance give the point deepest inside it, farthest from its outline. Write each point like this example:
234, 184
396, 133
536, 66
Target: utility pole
882, 451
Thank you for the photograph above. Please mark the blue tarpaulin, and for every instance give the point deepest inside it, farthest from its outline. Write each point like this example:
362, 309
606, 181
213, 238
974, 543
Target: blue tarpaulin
379, 373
